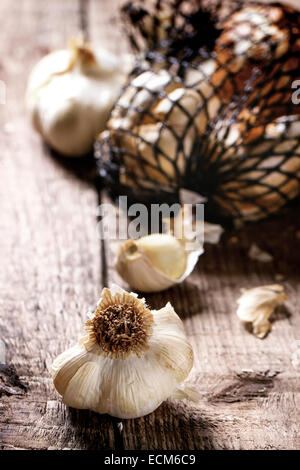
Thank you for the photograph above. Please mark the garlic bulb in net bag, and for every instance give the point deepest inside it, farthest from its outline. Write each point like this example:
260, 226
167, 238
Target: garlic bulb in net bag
209, 107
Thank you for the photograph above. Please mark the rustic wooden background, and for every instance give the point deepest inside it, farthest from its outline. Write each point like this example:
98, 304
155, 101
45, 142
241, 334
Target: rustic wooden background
53, 268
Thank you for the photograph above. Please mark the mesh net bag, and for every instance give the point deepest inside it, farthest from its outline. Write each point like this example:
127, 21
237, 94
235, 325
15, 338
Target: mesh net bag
209, 107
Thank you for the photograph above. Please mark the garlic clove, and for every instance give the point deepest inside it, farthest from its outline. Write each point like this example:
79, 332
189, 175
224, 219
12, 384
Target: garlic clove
136, 389
165, 252
128, 374
82, 391
257, 304
155, 262
70, 94
169, 336
140, 274
65, 366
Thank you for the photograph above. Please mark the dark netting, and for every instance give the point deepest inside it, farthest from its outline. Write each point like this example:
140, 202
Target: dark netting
208, 107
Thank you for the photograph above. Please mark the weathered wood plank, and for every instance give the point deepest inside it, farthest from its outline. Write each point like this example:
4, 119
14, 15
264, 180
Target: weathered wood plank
50, 257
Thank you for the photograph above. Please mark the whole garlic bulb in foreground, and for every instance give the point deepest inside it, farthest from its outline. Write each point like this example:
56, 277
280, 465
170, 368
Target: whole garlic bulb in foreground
130, 360
155, 262
70, 94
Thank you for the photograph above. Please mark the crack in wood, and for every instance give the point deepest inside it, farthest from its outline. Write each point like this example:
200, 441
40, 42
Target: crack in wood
248, 386
83, 17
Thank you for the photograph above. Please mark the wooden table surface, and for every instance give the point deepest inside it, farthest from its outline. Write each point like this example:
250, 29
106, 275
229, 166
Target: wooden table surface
53, 268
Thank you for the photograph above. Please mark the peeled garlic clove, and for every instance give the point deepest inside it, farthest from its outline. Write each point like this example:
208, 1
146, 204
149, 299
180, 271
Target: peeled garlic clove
70, 94
155, 262
130, 360
256, 305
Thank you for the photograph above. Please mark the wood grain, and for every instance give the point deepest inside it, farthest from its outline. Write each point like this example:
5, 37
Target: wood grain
53, 268
50, 255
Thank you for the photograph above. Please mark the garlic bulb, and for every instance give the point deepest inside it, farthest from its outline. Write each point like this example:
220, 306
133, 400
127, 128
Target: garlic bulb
155, 262
256, 305
129, 361
218, 120
70, 94
170, 105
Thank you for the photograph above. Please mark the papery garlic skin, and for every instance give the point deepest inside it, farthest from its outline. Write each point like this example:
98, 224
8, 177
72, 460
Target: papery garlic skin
132, 385
257, 254
155, 262
70, 94
257, 304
